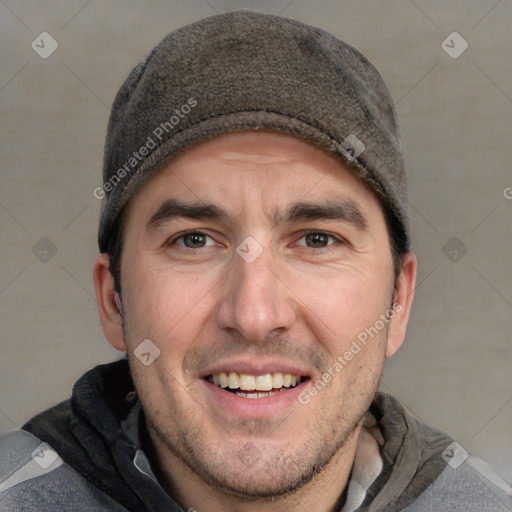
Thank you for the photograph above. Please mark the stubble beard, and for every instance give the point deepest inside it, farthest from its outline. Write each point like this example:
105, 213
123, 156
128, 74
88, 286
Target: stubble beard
265, 475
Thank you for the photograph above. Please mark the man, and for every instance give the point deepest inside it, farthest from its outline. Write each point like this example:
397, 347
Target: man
256, 268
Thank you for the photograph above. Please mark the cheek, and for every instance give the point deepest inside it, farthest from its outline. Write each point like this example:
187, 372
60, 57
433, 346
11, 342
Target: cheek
165, 305
340, 304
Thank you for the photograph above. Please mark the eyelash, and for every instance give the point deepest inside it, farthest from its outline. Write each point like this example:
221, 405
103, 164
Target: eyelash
337, 238
172, 241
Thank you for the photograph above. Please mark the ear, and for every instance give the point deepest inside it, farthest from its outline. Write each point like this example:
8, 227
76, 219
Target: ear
109, 304
404, 294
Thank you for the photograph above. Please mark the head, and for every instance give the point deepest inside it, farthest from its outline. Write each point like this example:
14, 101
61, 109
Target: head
257, 252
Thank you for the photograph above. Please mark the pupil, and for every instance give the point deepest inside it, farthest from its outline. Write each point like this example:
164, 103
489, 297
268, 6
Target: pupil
317, 240
194, 240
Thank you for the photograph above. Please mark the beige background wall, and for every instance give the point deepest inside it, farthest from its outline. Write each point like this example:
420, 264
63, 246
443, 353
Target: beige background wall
455, 370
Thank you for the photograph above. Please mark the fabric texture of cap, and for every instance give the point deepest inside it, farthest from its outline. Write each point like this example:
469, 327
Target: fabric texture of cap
252, 71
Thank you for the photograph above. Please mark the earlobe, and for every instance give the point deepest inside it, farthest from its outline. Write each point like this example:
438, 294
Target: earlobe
109, 303
402, 302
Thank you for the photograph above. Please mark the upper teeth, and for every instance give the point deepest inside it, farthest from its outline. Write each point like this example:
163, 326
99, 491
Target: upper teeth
266, 382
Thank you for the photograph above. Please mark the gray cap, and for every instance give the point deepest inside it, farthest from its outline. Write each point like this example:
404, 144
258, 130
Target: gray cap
252, 71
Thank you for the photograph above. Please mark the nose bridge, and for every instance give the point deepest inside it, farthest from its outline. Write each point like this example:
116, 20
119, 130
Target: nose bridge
255, 284
255, 302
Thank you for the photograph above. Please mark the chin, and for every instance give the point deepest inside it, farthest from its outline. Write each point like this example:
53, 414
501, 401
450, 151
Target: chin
255, 484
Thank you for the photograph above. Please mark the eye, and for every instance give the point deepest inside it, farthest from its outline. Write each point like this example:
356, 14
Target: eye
317, 240
194, 240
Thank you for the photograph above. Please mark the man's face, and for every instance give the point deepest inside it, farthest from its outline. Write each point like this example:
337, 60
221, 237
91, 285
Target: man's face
255, 254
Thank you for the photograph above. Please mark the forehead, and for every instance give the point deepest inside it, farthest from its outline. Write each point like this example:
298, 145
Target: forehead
250, 167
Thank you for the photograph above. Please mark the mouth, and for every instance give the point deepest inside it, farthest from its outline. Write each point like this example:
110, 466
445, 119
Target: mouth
255, 386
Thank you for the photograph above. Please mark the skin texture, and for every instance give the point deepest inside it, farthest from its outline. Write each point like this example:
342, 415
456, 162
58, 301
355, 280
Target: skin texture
301, 302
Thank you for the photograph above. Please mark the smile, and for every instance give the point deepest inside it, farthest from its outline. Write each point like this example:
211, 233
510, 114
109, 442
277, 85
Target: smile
254, 386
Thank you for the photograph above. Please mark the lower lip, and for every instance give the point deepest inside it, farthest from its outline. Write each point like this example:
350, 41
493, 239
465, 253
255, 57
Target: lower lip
254, 407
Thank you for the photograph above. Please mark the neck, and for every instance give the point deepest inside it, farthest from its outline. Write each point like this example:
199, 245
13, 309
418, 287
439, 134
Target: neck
324, 493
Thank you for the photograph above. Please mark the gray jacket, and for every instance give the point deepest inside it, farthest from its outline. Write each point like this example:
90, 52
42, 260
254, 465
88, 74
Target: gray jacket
84, 455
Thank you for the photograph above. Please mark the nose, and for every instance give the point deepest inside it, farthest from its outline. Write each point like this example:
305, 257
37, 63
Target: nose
256, 301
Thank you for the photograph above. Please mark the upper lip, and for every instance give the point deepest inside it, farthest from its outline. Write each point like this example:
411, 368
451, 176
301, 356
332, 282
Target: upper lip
254, 367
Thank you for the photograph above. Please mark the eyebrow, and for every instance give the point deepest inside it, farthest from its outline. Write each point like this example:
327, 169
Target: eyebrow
343, 210
172, 209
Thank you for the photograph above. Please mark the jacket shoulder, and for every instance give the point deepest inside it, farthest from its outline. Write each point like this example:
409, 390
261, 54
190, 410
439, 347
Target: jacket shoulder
34, 477
471, 486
